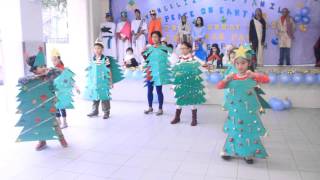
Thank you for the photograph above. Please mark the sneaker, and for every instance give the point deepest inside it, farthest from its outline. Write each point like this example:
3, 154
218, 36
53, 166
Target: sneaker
226, 157
64, 125
149, 111
249, 160
41, 145
159, 113
93, 114
106, 116
63, 142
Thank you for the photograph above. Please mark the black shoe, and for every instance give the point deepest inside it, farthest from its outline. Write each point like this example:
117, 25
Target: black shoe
226, 157
249, 160
93, 114
106, 116
289, 64
280, 64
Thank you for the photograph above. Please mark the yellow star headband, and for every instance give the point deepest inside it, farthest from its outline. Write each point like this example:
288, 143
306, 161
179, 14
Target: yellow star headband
244, 52
55, 52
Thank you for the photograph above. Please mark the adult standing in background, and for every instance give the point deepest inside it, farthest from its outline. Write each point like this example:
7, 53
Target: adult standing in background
199, 34
108, 36
184, 30
285, 32
257, 35
139, 30
316, 49
124, 35
154, 25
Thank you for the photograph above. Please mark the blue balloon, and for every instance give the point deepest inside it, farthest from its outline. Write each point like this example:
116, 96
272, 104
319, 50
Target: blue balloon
310, 79
275, 41
297, 18
137, 75
287, 103
276, 104
305, 11
215, 78
297, 78
285, 78
128, 73
306, 19
273, 78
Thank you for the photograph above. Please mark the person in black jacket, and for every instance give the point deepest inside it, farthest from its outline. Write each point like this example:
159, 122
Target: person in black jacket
317, 52
257, 35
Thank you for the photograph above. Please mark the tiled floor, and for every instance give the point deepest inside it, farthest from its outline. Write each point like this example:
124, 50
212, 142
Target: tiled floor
134, 146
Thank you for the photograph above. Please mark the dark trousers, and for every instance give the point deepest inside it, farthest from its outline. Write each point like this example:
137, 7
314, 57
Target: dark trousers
317, 55
150, 94
219, 64
105, 106
61, 113
284, 55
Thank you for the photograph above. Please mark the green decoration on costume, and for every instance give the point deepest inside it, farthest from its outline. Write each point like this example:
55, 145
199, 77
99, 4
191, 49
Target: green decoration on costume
158, 65
116, 71
64, 86
243, 125
98, 82
189, 89
37, 108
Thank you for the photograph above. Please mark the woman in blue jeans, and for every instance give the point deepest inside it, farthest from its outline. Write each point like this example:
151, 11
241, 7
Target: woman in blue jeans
157, 69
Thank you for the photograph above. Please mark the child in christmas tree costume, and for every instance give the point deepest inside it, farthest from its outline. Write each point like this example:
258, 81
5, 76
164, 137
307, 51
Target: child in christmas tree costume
243, 125
157, 70
188, 86
38, 102
103, 72
57, 62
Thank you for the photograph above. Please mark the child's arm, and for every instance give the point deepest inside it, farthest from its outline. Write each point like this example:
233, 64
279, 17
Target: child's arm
223, 84
260, 78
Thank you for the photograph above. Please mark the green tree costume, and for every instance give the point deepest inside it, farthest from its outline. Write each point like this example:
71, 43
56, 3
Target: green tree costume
188, 89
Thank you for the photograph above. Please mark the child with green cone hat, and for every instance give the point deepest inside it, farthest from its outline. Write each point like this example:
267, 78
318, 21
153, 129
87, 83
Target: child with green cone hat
38, 103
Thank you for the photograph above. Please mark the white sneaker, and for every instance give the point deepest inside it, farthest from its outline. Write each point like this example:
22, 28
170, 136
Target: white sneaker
64, 125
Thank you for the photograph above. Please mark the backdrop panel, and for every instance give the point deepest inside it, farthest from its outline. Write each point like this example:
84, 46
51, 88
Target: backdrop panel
227, 21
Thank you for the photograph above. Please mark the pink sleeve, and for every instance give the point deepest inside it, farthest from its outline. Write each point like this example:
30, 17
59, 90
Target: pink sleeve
221, 85
261, 78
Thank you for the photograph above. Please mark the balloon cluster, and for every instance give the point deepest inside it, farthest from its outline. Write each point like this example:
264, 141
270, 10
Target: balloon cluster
279, 104
303, 18
134, 74
214, 77
295, 78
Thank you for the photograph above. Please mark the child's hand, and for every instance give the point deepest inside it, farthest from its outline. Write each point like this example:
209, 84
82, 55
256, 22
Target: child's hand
229, 77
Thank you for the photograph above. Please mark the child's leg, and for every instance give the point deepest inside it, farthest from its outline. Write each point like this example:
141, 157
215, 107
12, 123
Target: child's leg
64, 117
58, 116
150, 97
95, 108
160, 100
63, 142
106, 108
150, 93
194, 116
176, 118
160, 96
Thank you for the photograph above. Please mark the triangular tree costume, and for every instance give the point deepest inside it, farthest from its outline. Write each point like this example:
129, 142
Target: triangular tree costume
64, 85
158, 65
38, 106
98, 82
116, 71
188, 89
243, 125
